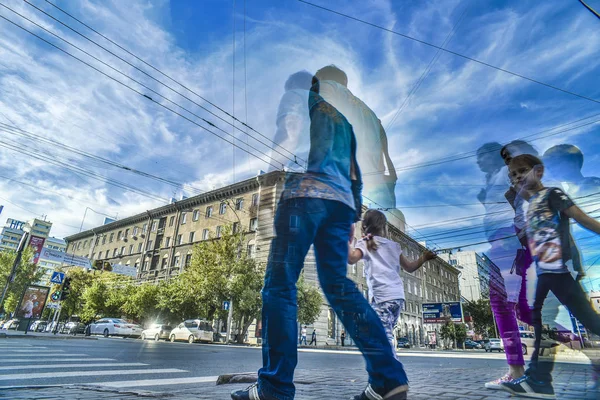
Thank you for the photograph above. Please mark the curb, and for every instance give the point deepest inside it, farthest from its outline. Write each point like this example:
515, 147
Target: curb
52, 337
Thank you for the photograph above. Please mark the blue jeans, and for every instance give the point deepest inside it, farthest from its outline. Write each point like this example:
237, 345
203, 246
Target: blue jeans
300, 223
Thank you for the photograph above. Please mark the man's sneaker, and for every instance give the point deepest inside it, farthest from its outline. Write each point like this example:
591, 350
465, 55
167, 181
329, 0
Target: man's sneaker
496, 385
399, 393
250, 393
527, 387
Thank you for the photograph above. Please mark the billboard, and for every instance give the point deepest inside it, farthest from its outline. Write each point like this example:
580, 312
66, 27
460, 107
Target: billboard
124, 270
442, 312
33, 302
37, 244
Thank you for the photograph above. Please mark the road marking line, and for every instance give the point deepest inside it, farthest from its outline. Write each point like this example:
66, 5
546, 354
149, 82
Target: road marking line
36, 356
156, 382
43, 375
21, 360
35, 351
89, 365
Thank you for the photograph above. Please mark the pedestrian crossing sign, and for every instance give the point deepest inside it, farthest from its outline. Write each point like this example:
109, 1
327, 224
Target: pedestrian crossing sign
57, 277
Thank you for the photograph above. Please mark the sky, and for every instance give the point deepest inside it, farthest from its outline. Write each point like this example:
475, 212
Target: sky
238, 54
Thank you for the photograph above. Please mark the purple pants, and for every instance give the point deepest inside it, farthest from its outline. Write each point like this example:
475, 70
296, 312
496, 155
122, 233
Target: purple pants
508, 295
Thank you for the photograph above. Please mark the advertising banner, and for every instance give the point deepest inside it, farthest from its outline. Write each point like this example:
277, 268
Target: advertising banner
52, 255
37, 244
78, 261
442, 312
33, 302
124, 270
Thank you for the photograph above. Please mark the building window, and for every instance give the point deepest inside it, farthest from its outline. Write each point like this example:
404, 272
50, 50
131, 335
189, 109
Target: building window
159, 242
168, 241
192, 234
179, 239
135, 231
239, 204
205, 233
331, 317
253, 224
176, 260
165, 261
188, 259
236, 227
250, 250
183, 218
255, 199
126, 233
222, 208
196, 215
145, 229
130, 249
84, 244
139, 247
115, 251
122, 253
103, 239
354, 269
78, 245
119, 235
172, 221
146, 265
219, 231
149, 247
99, 255
209, 211
154, 224
136, 265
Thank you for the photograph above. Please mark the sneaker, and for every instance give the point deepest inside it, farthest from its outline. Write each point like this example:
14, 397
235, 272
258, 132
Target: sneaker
399, 393
527, 387
496, 385
250, 393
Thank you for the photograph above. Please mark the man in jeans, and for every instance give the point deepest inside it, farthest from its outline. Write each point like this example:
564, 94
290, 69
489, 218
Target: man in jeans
318, 208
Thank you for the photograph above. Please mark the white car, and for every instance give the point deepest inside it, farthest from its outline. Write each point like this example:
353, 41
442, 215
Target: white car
494, 344
193, 330
157, 332
11, 324
115, 327
528, 342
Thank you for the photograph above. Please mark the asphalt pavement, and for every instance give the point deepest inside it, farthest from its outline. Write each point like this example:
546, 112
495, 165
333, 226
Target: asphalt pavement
35, 368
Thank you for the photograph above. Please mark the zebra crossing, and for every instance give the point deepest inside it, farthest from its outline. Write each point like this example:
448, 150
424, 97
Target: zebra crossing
30, 365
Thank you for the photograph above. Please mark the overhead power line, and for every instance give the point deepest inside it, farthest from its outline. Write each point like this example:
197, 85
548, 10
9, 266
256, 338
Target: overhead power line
134, 80
590, 8
452, 52
155, 69
140, 93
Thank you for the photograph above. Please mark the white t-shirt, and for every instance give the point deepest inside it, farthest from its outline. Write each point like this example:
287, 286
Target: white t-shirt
303, 331
382, 269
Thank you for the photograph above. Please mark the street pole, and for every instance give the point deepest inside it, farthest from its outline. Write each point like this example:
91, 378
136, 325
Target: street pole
229, 319
13, 271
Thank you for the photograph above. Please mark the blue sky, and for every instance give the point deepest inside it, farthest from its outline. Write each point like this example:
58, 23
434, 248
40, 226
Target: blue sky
459, 105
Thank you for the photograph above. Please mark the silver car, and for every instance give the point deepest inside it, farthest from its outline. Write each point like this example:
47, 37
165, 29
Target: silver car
494, 345
193, 330
157, 332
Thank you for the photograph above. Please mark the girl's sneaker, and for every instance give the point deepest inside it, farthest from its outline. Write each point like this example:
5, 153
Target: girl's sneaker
497, 384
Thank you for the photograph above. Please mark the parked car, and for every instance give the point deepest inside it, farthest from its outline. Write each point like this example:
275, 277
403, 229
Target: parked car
72, 328
193, 330
403, 343
470, 344
52, 326
494, 344
38, 326
528, 342
11, 324
115, 327
157, 332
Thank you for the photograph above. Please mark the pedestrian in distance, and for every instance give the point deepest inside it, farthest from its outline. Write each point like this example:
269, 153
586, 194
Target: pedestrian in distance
317, 208
548, 236
313, 338
343, 337
383, 260
303, 336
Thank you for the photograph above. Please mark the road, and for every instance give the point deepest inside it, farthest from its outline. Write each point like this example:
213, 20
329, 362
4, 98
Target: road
182, 369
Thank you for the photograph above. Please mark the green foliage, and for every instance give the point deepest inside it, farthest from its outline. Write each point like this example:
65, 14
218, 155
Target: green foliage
309, 302
27, 274
483, 319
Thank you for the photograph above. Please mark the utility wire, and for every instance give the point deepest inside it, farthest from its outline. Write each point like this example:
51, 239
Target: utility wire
452, 52
134, 80
590, 8
157, 70
137, 91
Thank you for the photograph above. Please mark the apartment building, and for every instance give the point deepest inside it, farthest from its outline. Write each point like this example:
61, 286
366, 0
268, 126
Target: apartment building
475, 270
159, 242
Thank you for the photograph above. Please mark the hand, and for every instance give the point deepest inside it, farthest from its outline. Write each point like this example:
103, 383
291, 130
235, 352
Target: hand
429, 255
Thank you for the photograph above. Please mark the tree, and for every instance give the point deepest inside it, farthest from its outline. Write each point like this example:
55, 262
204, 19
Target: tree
483, 319
27, 273
309, 302
74, 303
142, 303
453, 332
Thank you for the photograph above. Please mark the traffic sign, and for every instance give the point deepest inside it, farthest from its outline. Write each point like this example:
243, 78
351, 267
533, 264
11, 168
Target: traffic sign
226, 305
57, 277
55, 306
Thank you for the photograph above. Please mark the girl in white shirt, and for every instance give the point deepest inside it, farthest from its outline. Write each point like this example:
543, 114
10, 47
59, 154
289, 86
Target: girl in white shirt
383, 259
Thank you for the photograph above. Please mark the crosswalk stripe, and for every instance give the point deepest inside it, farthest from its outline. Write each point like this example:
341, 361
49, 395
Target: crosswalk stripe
156, 382
41, 375
88, 365
36, 356
21, 360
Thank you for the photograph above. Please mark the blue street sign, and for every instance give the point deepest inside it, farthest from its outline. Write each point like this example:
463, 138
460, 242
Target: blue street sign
57, 277
226, 305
